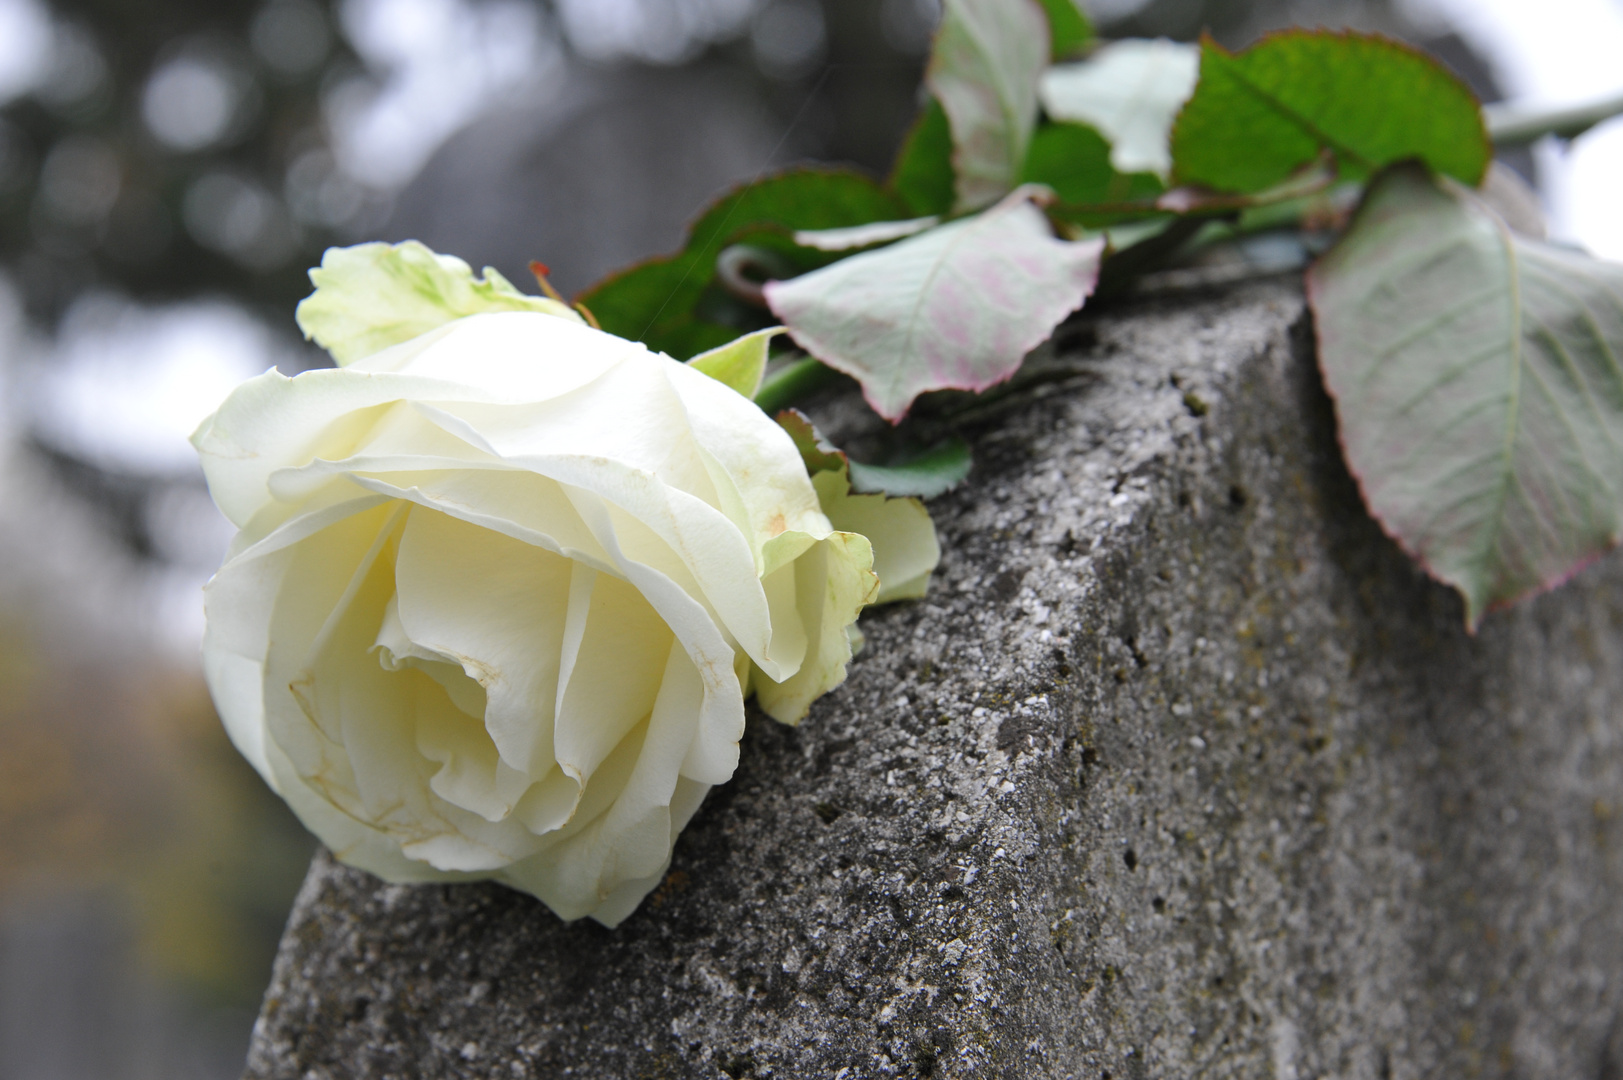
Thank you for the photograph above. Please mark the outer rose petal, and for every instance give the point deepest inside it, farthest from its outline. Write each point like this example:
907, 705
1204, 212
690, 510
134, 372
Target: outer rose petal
371, 296
833, 580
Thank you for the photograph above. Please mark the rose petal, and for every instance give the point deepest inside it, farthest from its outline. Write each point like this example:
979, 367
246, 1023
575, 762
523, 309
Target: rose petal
273, 422
633, 837
496, 605
833, 582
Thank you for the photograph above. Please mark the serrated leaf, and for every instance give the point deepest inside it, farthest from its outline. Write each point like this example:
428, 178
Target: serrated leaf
922, 173
371, 296
1130, 91
958, 306
984, 67
1259, 115
1068, 28
816, 452
1075, 162
740, 363
926, 476
670, 303
1477, 384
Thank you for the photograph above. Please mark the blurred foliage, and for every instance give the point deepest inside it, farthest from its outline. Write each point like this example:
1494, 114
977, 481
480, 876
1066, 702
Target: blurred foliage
91, 195
213, 889
180, 146
119, 775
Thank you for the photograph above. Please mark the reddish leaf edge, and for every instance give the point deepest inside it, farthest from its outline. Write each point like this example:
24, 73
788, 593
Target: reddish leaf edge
973, 387
1033, 193
1471, 625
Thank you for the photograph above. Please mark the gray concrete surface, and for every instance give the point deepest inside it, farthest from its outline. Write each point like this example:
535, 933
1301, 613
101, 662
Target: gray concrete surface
1181, 770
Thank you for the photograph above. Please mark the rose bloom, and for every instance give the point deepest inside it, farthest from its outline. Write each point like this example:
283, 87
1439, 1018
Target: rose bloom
499, 595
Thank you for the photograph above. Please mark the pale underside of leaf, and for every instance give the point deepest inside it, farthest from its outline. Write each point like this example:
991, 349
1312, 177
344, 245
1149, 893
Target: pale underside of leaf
1478, 388
860, 236
984, 69
1130, 92
958, 306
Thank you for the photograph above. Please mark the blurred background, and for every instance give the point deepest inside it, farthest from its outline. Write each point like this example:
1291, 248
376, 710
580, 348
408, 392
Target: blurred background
170, 168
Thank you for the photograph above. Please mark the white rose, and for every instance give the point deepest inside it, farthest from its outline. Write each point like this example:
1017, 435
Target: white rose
501, 588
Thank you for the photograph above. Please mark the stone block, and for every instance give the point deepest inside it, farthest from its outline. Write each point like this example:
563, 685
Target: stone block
1181, 770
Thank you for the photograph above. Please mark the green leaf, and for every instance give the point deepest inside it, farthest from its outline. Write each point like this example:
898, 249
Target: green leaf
1130, 91
957, 306
807, 198
793, 382
653, 302
1075, 162
739, 363
1259, 115
818, 454
984, 68
1477, 383
671, 303
927, 476
371, 296
922, 174
1068, 28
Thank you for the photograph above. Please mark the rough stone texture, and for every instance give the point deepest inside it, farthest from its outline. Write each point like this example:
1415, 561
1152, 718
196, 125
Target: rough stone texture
1182, 770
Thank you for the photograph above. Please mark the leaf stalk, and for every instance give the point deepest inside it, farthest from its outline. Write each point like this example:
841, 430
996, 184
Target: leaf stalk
792, 383
1512, 124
